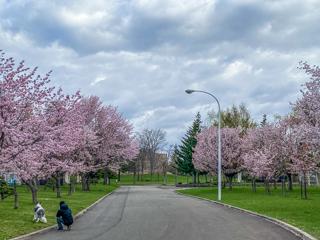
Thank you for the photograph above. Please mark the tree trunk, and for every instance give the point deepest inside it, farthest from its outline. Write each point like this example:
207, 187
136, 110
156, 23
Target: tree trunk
230, 182
71, 185
254, 185
290, 187
198, 177
34, 192
301, 187
58, 188
305, 186
15, 193
105, 176
70, 189
32, 186
85, 182
283, 185
107, 180
134, 176
134, 173
157, 176
308, 179
206, 178
119, 175
317, 178
74, 182
142, 171
194, 178
176, 177
152, 164
267, 186
88, 183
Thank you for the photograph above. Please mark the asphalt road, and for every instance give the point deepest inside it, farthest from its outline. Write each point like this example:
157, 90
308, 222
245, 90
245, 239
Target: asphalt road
152, 213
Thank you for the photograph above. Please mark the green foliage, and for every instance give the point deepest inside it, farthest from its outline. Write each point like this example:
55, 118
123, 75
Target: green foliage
174, 157
236, 116
184, 152
5, 190
289, 208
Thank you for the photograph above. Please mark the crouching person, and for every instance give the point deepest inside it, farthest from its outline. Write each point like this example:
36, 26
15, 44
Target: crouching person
64, 216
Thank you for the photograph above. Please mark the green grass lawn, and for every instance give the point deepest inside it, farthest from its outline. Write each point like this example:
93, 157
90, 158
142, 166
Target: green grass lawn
304, 214
127, 179
16, 222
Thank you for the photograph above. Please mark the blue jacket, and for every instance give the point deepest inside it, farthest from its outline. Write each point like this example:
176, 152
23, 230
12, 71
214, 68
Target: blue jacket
66, 214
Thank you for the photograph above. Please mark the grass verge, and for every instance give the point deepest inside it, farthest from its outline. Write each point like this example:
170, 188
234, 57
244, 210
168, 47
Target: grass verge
289, 208
127, 179
15, 222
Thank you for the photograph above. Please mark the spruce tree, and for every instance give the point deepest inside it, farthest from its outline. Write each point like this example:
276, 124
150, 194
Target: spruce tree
184, 153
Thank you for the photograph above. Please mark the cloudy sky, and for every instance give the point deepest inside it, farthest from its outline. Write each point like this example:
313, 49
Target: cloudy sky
142, 54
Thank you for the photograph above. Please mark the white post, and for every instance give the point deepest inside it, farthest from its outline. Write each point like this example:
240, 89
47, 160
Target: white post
219, 155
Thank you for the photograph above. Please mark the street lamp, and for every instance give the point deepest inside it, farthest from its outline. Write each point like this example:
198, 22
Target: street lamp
189, 91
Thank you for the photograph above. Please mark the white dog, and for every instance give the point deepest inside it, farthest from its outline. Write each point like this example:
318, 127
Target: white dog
39, 214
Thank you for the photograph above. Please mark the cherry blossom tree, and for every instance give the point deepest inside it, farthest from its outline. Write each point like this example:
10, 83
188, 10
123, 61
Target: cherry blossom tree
306, 115
65, 130
114, 141
306, 109
268, 150
205, 152
305, 152
22, 131
259, 157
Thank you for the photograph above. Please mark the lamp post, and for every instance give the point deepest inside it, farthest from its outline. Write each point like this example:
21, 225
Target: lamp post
189, 91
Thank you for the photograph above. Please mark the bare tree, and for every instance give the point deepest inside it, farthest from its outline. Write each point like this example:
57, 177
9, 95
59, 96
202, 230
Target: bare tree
165, 162
141, 163
151, 141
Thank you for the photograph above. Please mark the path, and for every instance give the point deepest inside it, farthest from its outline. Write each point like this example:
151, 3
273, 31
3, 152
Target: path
152, 213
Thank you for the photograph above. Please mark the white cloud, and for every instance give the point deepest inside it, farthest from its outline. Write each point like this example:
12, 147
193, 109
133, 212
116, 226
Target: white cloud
235, 68
142, 55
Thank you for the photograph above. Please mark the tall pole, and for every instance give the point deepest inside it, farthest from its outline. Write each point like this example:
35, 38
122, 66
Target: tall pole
219, 153
189, 91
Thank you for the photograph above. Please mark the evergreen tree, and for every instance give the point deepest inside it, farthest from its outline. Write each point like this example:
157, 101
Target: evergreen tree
184, 152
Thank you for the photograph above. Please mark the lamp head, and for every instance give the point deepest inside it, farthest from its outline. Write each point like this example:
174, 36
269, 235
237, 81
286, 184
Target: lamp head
189, 91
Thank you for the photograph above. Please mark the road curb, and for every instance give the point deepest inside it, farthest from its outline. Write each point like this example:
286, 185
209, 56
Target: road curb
296, 231
79, 214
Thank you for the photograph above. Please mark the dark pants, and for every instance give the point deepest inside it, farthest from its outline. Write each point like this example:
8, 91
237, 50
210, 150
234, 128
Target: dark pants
60, 223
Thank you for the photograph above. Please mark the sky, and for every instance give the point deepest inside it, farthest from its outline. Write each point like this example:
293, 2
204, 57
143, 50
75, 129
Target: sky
141, 55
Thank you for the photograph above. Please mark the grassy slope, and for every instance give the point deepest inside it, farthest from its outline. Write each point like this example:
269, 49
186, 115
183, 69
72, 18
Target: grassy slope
290, 208
19, 221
